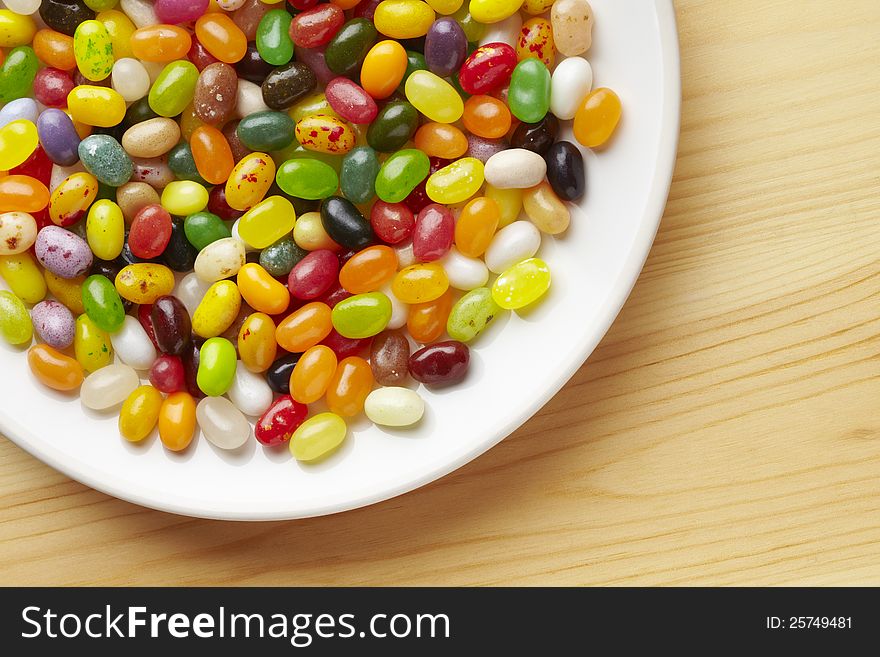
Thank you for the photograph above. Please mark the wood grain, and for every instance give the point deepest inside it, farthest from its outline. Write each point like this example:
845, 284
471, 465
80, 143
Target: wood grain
726, 430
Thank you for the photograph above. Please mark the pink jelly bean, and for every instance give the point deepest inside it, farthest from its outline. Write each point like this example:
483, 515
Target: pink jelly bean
179, 11
344, 347
433, 233
392, 222
314, 59
51, 87
350, 101
167, 374
313, 275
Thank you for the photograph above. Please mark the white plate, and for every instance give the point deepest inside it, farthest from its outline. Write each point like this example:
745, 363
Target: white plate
516, 367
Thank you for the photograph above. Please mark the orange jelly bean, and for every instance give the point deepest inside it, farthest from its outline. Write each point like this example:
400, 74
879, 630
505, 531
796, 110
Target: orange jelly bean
212, 154
177, 421
351, 384
257, 347
261, 291
368, 270
160, 43
486, 116
383, 69
221, 37
427, 321
476, 226
305, 327
441, 140
54, 369
54, 49
346, 4
312, 374
597, 118
22, 194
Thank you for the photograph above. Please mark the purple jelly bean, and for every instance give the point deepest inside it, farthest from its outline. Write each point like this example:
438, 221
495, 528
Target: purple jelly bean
445, 47
482, 148
314, 59
54, 323
58, 137
179, 11
63, 253
313, 275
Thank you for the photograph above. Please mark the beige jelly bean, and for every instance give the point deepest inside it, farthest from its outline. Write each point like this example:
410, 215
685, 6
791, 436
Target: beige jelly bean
572, 22
549, 214
108, 386
18, 232
220, 259
394, 407
515, 168
222, 423
133, 196
151, 138
152, 170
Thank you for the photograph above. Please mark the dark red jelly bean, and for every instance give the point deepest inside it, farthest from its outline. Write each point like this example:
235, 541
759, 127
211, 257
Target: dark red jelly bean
217, 204
199, 55
150, 231
167, 374
315, 27
350, 101
392, 222
488, 68
313, 275
279, 422
344, 347
190, 360
440, 364
334, 295
302, 5
366, 9
172, 325
145, 318
433, 233
51, 87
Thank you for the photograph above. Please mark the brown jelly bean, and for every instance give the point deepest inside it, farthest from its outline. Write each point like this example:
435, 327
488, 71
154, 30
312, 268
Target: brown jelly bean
215, 94
389, 358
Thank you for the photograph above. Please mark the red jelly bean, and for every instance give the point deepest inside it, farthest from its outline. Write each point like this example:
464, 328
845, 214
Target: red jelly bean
433, 233
172, 325
350, 101
38, 165
488, 68
280, 421
167, 374
199, 55
313, 275
344, 347
440, 364
150, 231
392, 222
146, 321
315, 27
51, 87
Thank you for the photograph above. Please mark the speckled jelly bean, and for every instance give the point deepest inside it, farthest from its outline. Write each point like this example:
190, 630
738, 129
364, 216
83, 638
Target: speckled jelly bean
395, 124
400, 174
15, 322
529, 93
104, 158
488, 68
177, 421
472, 314
280, 420
403, 19
17, 73
72, 197
18, 232
394, 407
569, 85
572, 22
220, 259
324, 134
93, 50
216, 366
144, 282
434, 97
597, 118
217, 310
285, 85
256, 342
54, 369
440, 364
96, 106
456, 182
307, 178
216, 93
536, 40
318, 437
91, 344
280, 257
62, 252
151, 138
249, 181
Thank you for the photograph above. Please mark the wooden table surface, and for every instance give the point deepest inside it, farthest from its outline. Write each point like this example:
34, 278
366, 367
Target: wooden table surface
726, 431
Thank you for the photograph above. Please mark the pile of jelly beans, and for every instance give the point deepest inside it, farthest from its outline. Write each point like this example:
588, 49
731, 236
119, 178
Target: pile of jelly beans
262, 205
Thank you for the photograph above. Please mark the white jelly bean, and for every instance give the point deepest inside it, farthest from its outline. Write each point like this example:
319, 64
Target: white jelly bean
108, 386
249, 99
140, 12
405, 255
512, 244
130, 79
230, 5
399, 309
23, 7
571, 82
18, 232
515, 168
506, 31
18, 109
132, 344
394, 407
191, 290
220, 259
222, 423
249, 392
464, 273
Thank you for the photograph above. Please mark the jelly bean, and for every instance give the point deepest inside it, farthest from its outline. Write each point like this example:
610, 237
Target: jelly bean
569, 85
280, 257
349, 387
313, 275
433, 233
132, 344
200, 56
445, 47
325, 134
20, 109
216, 366
93, 50
305, 327
529, 93
18, 140
488, 68
216, 93
120, 28
167, 374
420, 283
62, 252
53, 369
267, 222
433, 96
509, 203
368, 270
65, 15
476, 226
344, 223
464, 273
179, 11
440, 364
138, 111
472, 314
395, 123
521, 284
318, 437
17, 73
349, 46
37, 167
315, 27
102, 303
15, 323
403, 19
171, 325
315, 60
249, 181
54, 49
456, 182
104, 158
248, 17
597, 118
545, 209
493, 11
71, 199
350, 101
177, 421
399, 309
204, 228
212, 154
572, 22
312, 374
486, 116
151, 138
392, 222
309, 233
536, 137
362, 315
516, 168
400, 174
278, 374
285, 85
96, 106
130, 79
427, 321
108, 387
220, 259
144, 282
174, 88
261, 291
389, 358
92, 344
217, 310
415, 61
280, 420
190, 291
18, 231
221, 37
345, 347
155, 172
249, 392
394, 407
383, 69
132, 197
184, 197
105, 229
52, 86
266, 131
179, 255
441, 140
140, 413
23, 275
222, 423
512, 244
190, 360
150, 232
307, 178
256, 342
536, 40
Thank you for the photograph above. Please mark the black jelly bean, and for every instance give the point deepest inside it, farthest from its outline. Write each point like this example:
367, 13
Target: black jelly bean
287, 84
537, 137
565, 171
278, 374
345, 224
65, 15
179, 255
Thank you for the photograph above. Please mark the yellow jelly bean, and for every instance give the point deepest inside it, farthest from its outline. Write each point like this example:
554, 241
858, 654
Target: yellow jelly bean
15, 29
521, 284
69, 201
403, 19
120, 28
455, 182
144, 282
249, 181
217, 309
91, 344
184, 197
97, 106
256, 342
15, 320
18, 139
67, 290
23, 276
309, 233
434, 97
267, 222
317, 437
509, 202
93, 50
493, 11
105, 229
445, 7
140, 413
325, 134
420, 283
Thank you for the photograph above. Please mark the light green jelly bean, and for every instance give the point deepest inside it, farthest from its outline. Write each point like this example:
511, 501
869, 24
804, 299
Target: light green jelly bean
273, 37
307, 178
93, 50
216, 366
522, 284
317, 437
362, 315
174, 88
102, 303
401, 173
529, 93
471, 314
17, 73
15, 321
295, 151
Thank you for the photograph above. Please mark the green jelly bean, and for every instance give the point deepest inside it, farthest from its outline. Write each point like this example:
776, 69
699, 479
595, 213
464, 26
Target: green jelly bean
362, 315
93, 50
395, 124
473, 30
360, 166
216, 366
307, 178
102, 303
104, 158
529, 93
471, 314
17, 73
279, 258
267, 131
415, 61
401, 173
106, 192
296, 152
15, 321
273, 37
138, 112
183, 165
204, 228
174, 88
346, 51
